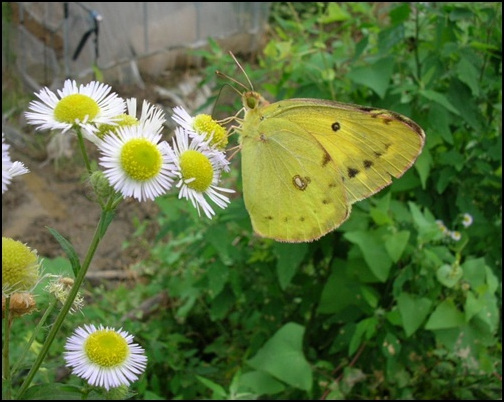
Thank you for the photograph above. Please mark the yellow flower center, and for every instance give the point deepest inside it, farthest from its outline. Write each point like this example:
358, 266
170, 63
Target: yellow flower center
20, 268
123, 120
74, 108
106, 348
141, 159
194, 164
205, 125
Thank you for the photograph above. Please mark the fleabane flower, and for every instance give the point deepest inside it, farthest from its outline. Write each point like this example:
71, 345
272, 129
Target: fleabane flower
83, 106
455, 235
137, 163
20, 267
467, 220
104, 357
203, 125
199, 168
151, 118
10, 169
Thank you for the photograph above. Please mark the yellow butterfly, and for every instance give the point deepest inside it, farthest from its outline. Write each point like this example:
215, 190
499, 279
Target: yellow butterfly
306, 161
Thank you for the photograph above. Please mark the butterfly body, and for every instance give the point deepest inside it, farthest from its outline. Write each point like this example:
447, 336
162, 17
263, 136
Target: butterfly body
305, 161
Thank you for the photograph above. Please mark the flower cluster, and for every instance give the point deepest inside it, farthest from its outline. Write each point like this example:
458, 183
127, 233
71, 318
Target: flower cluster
466, 221
136, 160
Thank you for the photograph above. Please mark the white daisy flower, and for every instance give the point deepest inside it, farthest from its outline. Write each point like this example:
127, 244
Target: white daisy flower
442, 227
10, 169
199, 168
104, 357
455, 235
467, 220
203, 125
137, 163
151, 118
82, 106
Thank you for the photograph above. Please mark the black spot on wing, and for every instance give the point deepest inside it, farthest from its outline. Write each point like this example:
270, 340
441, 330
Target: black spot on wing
352, 172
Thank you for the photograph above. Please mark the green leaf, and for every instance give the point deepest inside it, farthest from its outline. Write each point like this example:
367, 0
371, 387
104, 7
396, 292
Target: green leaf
68, 249
396, 243
282, 357
260, 383
218, 275
365, 329
449, 275
289, 257
334, 13
376, 76
413, 311
446, 315
105, 219
217, 391
423, 166
373, 251
440, 99
468, 74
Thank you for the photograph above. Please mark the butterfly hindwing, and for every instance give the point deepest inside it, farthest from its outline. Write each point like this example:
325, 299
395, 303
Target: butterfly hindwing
291, 194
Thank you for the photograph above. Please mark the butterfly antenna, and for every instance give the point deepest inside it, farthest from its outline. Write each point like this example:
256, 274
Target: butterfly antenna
221, 74
243, 71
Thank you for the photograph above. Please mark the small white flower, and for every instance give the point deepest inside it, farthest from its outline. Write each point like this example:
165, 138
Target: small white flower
455, 235
202, 125
151, 119
137, 163
83, 106
10, 169
104, 357
442, 227
199, 168
467, 220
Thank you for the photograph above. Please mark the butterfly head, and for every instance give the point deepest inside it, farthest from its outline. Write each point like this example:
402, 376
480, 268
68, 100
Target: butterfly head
252, 100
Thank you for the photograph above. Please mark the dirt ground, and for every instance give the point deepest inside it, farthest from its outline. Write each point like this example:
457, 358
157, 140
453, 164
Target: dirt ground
53, 194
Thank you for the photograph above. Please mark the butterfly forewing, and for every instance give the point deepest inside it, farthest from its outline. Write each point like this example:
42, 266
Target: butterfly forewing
369, 146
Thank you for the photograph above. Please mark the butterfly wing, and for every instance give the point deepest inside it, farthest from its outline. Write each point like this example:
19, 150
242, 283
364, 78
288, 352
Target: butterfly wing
291, 190
305, 161
369, 146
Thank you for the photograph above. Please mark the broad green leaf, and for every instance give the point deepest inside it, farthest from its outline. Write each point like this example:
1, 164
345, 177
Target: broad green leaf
446, 315
469, 75
475, 273
260, 383
373, 251
282, 357
439, 98
413, 311
376, 76
449, 275
289, 257
396, 243
423, 166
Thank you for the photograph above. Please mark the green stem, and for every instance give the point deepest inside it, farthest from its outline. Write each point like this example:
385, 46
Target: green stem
83, 149
37, 330
6, 372
98, 235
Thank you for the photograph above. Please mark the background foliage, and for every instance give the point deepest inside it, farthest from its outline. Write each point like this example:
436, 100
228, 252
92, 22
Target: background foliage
387, 306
